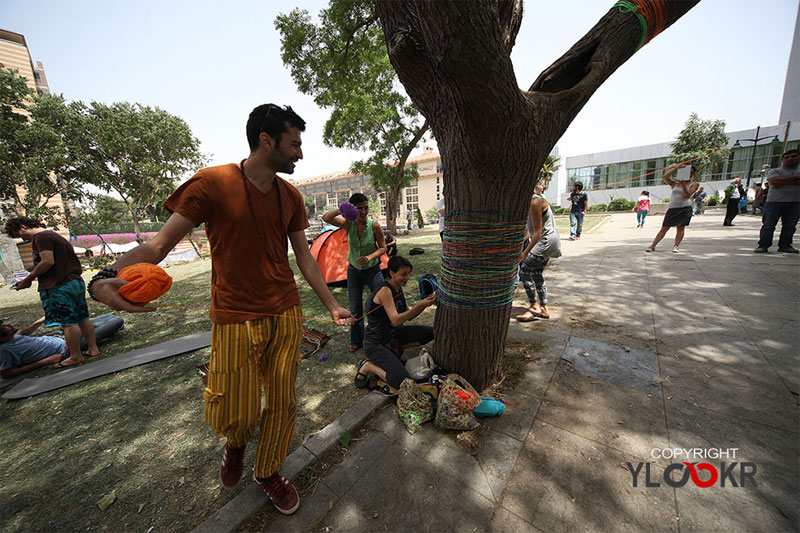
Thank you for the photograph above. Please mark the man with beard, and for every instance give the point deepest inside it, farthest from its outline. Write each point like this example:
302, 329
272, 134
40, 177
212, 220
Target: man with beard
248, 213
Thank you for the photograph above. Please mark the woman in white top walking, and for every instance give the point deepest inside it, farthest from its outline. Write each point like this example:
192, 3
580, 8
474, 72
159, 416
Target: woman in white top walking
679, 210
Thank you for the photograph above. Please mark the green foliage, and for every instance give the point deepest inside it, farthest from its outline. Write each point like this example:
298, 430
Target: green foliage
14, 100
698, 139
550, 166
596, 208
40, 148
311, 206
374, 207
342, 62
620, 204
432, 213
712, 201
109, 209
139, 152
60, 148
420, 220
561, 210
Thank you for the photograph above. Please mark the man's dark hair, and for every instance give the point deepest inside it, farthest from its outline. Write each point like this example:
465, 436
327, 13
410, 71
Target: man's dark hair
13, 225
7, 332
358, 198
792, 151
399, 261
272, 119
579, 185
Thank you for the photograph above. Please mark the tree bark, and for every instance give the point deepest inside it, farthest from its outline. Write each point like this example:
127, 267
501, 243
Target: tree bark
452, 57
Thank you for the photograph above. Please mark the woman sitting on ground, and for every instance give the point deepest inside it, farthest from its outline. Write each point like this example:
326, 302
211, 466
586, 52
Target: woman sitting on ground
386, 335
366, 244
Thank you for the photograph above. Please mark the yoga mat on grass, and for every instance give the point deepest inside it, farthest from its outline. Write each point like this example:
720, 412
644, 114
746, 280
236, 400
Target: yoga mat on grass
7, 382
92, 369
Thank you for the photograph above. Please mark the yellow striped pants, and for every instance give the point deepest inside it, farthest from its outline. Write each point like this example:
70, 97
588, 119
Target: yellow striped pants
244, 358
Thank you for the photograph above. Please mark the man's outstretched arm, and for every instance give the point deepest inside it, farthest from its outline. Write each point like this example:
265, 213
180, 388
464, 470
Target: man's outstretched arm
153, 251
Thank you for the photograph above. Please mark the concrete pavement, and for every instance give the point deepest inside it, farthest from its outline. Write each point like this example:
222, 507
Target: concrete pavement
644, 352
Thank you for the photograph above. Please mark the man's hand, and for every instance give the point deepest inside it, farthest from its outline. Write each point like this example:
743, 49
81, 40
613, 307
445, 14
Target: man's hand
363, 260
107, 292
342, 316
24, 283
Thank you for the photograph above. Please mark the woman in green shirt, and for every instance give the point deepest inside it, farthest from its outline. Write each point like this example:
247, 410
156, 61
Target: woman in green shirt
366, 245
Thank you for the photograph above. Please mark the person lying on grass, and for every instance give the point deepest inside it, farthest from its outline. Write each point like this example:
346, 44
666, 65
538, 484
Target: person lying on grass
20, 353
386, 335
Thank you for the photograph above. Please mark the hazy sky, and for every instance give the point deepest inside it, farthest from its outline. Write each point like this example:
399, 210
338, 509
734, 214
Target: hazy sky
211, 62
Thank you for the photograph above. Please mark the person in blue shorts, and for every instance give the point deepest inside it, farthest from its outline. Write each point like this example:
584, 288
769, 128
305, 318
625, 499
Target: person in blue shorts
61, 288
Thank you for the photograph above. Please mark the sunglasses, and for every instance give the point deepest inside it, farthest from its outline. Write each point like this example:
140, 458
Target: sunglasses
270, 108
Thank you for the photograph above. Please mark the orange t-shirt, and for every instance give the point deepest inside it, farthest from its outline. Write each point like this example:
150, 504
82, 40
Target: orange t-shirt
244, 283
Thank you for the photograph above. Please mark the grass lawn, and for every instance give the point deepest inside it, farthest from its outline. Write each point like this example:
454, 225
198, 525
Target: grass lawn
589, 221
140, 433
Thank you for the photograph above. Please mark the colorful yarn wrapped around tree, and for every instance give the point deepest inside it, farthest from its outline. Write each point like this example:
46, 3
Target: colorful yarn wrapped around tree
480, 260
651, 14
146, 282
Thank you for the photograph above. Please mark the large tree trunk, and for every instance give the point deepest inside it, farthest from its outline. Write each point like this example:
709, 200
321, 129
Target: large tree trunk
452, 56
136, 228
391, 208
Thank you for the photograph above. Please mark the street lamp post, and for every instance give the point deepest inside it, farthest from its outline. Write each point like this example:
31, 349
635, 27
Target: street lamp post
755, 142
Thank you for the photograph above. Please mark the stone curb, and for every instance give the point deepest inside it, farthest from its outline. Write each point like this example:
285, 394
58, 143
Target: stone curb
597, 226
250, 500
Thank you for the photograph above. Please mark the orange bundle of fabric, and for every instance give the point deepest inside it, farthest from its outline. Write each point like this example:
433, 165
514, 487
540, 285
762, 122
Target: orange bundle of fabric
147, 282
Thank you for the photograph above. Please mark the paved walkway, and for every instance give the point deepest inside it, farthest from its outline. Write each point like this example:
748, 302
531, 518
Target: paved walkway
644, 351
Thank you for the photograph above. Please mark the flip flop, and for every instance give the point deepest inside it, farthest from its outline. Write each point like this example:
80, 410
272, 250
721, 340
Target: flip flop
87, 354
61, 364
360, 382
526, 318
539, 315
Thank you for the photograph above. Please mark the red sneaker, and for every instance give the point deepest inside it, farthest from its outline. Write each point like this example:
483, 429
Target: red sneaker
281, 492
232, 464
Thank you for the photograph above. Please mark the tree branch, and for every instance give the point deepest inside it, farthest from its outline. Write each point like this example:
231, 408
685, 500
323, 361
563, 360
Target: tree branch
563, 88
349, 40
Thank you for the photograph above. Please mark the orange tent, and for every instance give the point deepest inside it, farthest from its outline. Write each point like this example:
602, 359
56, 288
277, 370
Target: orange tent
330, 251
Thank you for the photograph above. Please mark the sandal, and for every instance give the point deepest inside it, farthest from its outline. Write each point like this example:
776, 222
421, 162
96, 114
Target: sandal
360, 382
523, 318
540, 315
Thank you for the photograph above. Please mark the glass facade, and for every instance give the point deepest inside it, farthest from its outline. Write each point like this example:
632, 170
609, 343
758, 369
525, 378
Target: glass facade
647, 172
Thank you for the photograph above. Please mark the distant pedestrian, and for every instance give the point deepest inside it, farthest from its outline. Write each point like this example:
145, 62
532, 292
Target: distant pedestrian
579, 202
642, 208
409, 219
761, 190
783, 202
699, 199
679, 209
734, 193
543, 245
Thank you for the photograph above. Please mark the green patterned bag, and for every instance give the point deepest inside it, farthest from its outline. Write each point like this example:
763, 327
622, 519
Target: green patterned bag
413, 406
